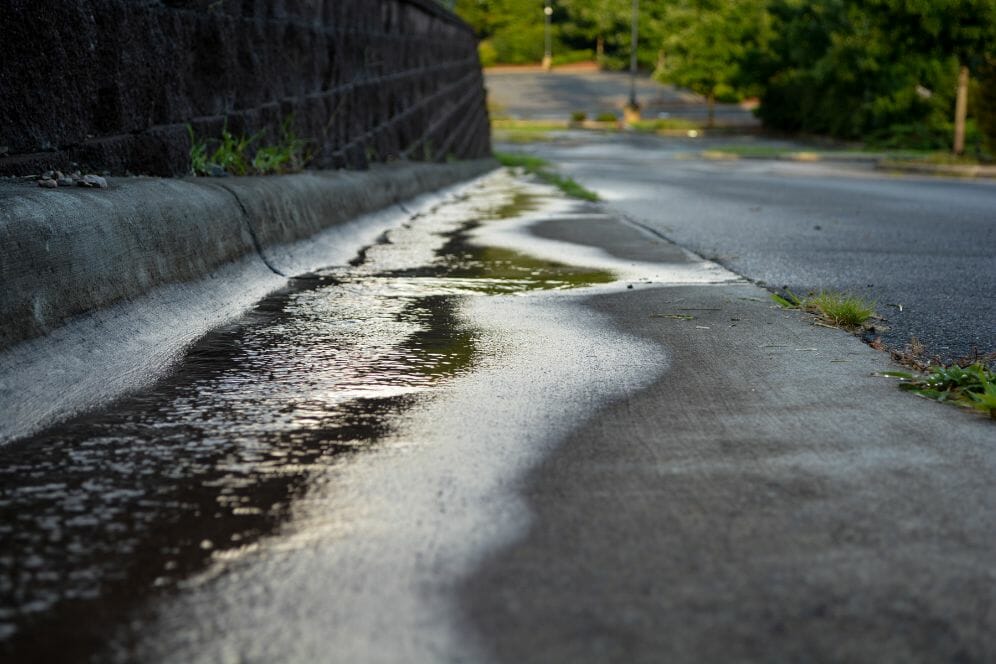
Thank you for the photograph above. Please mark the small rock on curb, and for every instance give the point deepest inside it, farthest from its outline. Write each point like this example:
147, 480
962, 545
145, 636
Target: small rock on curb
48, 183
93, 181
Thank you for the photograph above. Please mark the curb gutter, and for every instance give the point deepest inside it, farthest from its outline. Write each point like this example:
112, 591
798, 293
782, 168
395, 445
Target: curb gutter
64, 253
957, 170
103, 289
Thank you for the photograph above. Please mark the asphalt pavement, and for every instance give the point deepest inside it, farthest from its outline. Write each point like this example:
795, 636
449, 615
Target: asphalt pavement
922, 248
530, 94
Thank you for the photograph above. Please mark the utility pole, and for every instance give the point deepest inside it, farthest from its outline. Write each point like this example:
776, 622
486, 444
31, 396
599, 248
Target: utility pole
961, 110
548, 38
632, 110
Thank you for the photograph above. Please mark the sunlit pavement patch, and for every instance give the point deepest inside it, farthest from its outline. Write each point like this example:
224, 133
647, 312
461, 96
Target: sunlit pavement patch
264, 417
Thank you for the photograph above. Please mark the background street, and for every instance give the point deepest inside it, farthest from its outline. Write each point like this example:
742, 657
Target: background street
922, 248
532, 94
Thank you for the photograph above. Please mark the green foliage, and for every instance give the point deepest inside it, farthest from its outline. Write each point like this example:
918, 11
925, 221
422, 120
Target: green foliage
884, 71
837, 309
198, 154
289, 155
234, 155
984, 102
568, 57
525, 161
971, 387
520, 46
511, 29
541, 169
664, 125
881, 70
487, 52
845, 311
786, 301
710, 44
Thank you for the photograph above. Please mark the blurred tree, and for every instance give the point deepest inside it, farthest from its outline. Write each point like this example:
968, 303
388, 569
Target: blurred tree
599, 22
708, 45
858, 70
895, 72
963, 30
985, 102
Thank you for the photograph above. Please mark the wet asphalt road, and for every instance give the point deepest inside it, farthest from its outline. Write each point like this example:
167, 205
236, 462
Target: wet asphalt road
516, 429
924, 249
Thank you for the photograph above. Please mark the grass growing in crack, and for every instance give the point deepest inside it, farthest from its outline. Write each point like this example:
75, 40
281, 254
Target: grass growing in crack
234, 155
540, 168
970, 387
838, 309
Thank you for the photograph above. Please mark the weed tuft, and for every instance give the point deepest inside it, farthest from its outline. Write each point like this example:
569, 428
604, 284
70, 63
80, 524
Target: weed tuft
290, 155
234, 155
845, 311
838, 309
198, 154
540, 168
973, 386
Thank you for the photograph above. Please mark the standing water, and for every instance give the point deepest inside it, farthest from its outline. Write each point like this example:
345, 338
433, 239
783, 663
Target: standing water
104, 512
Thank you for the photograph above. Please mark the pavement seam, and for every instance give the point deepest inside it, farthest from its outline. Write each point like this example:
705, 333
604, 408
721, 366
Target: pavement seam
252, 231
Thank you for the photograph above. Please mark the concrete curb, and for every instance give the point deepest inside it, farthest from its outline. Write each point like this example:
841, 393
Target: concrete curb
67, 252
105, 289
795, 156
957, 170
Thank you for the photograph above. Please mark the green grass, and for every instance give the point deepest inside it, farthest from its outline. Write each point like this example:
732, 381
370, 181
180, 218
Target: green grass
838, 309
844, 310
522, 137
541, 169
756, 151
236, 155
970, 387
528, 125
665, 125
934, 158
772, 152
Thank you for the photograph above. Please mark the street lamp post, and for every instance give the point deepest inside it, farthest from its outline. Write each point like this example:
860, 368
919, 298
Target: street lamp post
632, 110
547, 37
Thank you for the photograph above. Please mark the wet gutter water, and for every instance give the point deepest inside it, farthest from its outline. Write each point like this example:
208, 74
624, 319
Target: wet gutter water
102, 513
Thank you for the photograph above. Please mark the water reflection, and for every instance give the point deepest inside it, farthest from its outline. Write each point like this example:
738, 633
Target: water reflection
102, 511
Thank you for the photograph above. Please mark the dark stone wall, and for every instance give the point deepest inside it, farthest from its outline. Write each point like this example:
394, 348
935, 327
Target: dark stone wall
113, 84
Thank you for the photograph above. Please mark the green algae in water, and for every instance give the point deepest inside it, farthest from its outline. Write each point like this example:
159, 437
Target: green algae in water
520, 203
496, 271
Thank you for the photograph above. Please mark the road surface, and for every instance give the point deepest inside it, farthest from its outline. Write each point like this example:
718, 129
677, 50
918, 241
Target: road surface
922, 248
517, 429
527, 94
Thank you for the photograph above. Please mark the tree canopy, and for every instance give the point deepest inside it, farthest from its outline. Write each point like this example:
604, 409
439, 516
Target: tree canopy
880, 70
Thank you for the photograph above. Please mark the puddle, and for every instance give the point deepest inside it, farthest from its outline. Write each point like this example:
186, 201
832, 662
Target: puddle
103, 512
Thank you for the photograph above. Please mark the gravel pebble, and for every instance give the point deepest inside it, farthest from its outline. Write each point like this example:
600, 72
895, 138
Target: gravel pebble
94, 181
